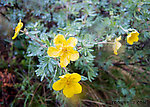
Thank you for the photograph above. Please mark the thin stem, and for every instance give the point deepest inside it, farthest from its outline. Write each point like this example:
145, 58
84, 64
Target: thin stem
65, 69
123, 29
34, 39
34, 93
66, 34
60, 66
58, 63
105, 43
99, 103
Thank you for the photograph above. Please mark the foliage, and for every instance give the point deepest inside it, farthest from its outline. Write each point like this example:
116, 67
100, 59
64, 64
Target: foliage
94, 23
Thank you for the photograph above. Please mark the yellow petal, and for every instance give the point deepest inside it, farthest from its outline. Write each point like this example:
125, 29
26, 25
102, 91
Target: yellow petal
68, 91
77, 88
72, 42
135, 36
65, 76
15, 35
59, 85
115, 52
73, 55
17, 29
59, 41
71, 89
19, 26
116, 46
135, 33
132, 37
75, 77
64, 60
129, 39
118, 39
53, 52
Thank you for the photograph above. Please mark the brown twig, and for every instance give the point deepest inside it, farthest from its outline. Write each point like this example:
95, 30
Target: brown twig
34, 94
26, 33
99, 103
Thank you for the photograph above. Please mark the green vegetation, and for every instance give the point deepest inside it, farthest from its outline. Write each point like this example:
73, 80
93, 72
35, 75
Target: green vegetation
27, 73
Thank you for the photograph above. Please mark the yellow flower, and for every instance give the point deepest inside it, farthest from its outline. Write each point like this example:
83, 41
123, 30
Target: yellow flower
17, 29
116, 45
69, 84
64, 49
132, 37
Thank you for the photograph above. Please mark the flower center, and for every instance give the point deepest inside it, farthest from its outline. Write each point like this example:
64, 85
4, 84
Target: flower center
69, 81
64, 49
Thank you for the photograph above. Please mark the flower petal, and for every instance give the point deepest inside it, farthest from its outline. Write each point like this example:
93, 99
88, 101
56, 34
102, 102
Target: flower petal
68, 91
19, 26
75, 77
135, 36
59, 41
136, 39
59, 85
64, 60
65, 76
17, 29
15, 35
116, 46
118, 39
135, 33
132, 37
71, 89
129, 40
77, 88
115, 52
53, 52
72, 42
73, 55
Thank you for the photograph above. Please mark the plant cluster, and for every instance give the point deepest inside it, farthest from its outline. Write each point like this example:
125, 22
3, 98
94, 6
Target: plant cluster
73, 43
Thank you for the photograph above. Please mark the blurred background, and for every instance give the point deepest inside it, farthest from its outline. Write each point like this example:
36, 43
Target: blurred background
122, 80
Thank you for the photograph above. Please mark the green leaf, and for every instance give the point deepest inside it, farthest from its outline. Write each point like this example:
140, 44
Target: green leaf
83, 78
124, 91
